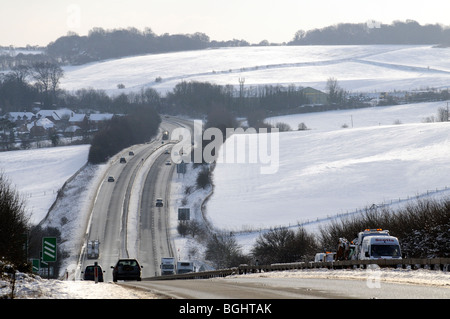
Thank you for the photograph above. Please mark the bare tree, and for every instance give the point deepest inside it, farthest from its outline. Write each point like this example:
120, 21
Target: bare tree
283, 245
47, 76
20, 73
443, 115
283, 127
335, 93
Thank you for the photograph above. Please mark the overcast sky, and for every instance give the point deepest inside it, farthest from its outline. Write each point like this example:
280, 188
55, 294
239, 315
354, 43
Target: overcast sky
38, 22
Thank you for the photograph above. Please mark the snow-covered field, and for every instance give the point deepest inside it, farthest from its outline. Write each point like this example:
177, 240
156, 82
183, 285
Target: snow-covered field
357, 68
330, 170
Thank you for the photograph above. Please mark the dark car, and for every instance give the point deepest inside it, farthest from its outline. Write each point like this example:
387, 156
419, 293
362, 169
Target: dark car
123, 160
159, 202
88, 273
127, 269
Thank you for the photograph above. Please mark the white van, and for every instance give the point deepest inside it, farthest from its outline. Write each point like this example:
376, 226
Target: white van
324, 257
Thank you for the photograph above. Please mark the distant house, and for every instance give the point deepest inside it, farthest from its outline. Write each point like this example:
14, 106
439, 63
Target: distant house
77, 118
315, 96
55, 115
20, 117
77, 123
72, 130
62, 121
95, 120
40, 127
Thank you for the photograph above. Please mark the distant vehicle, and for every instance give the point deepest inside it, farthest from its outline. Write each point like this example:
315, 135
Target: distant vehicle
123, 160
165, 135
127, 269
93, 249
159, 202
324, 257
110, 179
131, 153
184, 267
89, 273
168, 266
167, 152
168, 163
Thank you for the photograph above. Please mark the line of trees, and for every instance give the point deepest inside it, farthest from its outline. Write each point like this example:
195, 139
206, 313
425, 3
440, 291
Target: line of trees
399, 32
26, 84
198, 98
102, 44
10, 60
139, 126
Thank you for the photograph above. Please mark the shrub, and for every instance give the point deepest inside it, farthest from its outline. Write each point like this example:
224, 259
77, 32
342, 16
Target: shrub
223, 251
204, 178
122, 132
14, 223
283, 245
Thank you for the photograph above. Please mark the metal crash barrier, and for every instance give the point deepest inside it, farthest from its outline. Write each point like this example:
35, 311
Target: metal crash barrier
440, 264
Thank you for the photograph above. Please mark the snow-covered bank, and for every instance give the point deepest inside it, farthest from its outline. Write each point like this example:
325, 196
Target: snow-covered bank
38, 174
403, 276
35, 287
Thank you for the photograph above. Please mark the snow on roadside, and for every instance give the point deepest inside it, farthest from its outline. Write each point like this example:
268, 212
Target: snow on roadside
71, 213
400, 276
35, 287
184, 193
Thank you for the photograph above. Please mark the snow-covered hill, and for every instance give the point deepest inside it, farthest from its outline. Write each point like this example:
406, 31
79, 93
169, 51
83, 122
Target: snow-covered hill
357, 68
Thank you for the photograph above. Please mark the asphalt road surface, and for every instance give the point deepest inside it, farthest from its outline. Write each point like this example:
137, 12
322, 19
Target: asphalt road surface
108, 222
243, 287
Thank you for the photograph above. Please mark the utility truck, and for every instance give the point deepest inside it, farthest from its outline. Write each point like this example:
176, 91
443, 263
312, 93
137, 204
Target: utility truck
185, 267
376, 244
93, 249
168, 266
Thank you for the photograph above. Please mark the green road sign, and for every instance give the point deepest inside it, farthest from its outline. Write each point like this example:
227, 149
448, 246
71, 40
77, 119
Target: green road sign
36, 265
181, 168
49, 249
184, 214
